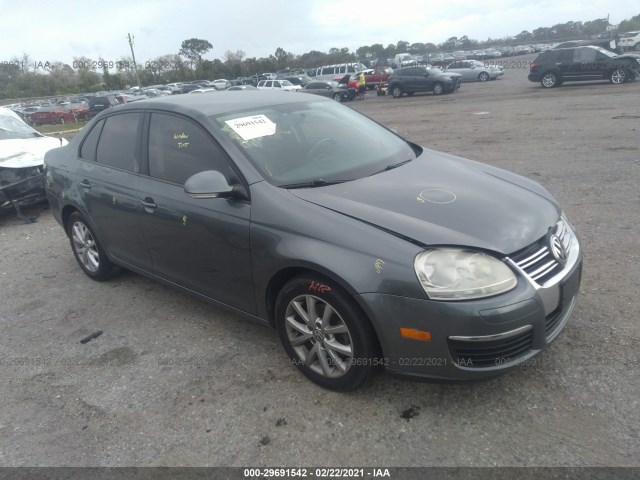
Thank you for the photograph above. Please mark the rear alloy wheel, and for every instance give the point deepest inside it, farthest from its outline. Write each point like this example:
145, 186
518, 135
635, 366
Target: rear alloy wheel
618, 76
483, 77
396, 92
87, 249
337, 97
438, 89
324, 333
549, 80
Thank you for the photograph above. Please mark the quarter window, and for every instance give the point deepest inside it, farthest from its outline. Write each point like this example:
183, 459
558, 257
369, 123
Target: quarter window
179, 148
118, 141
88, 149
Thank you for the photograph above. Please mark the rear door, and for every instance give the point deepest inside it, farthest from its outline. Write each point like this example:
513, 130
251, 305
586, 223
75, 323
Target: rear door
107, 183
200, 244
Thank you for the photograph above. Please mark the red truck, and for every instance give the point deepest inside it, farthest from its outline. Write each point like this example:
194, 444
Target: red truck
377, 76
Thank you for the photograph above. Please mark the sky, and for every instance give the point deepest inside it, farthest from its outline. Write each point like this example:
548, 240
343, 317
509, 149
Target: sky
63, 29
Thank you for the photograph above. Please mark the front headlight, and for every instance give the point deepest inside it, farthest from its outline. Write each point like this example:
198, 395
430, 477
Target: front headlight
452, 274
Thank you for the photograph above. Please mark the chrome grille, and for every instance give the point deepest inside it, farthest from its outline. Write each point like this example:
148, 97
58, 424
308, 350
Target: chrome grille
537, 260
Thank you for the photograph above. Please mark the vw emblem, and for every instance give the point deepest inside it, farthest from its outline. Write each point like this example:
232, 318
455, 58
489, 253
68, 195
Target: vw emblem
318, 335
557, 249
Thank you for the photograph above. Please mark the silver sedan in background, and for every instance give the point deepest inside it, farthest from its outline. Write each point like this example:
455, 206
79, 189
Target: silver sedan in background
475, 70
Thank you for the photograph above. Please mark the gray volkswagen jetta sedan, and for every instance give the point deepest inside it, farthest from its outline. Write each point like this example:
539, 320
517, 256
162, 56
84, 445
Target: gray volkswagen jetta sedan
361, 248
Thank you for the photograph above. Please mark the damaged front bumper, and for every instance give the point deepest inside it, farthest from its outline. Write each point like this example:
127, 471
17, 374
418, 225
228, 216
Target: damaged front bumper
20, 187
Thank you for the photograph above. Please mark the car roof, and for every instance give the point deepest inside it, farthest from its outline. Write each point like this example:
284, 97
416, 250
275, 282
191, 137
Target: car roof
223, 102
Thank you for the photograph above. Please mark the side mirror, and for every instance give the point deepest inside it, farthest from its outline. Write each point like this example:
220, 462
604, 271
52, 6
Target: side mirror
210, 184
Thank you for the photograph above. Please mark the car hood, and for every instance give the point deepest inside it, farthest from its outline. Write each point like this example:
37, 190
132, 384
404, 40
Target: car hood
26, 152
439, 199
627, 56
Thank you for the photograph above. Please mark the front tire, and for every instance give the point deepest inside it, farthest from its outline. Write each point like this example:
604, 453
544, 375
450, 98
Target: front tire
324, 333
396, 92
337, 97
549, 80
87, 249
438, 89
483, 77
618, 76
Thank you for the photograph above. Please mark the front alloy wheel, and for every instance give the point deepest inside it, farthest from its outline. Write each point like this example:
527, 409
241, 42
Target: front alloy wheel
337, 97
396, 92
618, 76
438, 89
483, 77
319, 336
325, 333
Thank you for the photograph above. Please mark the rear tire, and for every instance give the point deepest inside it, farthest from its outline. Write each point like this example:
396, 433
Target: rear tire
87, 249
549, 80
324, 333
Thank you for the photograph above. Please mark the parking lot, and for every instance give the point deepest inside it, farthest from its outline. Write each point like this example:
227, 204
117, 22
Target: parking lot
174, 381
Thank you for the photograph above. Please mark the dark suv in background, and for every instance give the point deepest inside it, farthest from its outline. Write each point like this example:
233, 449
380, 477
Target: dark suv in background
98, 104
410, 80
554, 67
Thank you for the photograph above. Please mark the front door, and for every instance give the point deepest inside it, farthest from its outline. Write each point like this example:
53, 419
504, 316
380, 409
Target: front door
200, 244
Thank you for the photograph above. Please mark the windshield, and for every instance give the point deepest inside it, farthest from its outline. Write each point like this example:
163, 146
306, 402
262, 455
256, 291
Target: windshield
12, 128
302, 142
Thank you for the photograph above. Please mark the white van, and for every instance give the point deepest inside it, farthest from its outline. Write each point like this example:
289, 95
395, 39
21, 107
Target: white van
329, 72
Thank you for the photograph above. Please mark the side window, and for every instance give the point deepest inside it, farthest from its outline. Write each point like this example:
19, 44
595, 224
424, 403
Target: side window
276, 84
179, 148
351, 69
584, 55
88, 149
118, 142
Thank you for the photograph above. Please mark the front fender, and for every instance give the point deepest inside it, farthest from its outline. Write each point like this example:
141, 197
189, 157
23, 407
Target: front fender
288, 232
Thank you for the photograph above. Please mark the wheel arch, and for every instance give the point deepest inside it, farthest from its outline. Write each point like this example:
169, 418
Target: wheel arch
66, 213
281, 277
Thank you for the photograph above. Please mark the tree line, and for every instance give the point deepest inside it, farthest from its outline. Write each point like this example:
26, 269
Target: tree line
24, 77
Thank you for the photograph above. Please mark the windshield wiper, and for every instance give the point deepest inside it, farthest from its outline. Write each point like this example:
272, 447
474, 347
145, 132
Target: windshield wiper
317, 182
392, 166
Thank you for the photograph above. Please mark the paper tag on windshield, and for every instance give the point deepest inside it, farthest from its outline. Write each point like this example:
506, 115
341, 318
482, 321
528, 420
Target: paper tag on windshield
252, 127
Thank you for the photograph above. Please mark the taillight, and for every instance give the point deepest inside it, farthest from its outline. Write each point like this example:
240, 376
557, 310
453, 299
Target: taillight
533, 66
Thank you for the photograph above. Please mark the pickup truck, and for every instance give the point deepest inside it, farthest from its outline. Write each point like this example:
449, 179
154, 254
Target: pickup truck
376, 76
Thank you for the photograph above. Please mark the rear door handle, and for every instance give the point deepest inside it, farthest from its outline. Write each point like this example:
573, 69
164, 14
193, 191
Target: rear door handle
148, 204
85, 184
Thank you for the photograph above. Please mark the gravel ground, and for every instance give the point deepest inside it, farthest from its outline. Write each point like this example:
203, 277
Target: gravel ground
174, 381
